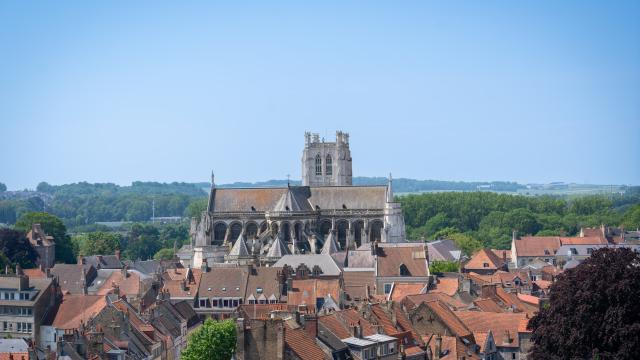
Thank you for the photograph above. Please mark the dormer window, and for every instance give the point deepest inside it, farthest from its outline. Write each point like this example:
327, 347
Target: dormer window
404, 271
287, 208
224, 289
485, 265
253, 208
546, 252
344, 206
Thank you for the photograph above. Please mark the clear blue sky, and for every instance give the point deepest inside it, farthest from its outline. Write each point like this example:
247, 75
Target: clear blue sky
479, 90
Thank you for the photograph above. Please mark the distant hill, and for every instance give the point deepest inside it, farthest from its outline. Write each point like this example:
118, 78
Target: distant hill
400, 185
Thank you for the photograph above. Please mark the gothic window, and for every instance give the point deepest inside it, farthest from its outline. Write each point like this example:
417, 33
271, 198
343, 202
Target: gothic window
318, 165
219, 231
329, 165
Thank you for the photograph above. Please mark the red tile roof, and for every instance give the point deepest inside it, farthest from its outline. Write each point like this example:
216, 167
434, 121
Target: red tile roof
389, 260
172, 282
501, 254
77, 309
446, 285
412, 301
587, 240
34, 273
529, 299
400, 290
537, 245
448, 317
488, 305
302, 344
305, 292
484, 259
355, 283
498, 323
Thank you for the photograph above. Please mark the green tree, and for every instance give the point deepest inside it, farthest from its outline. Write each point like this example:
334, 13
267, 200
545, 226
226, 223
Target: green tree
3, 187
142, 241
15, 249
443, 266
163, 254
51, 226
466, 243
631, 219
97, 243
214, 340
196, 207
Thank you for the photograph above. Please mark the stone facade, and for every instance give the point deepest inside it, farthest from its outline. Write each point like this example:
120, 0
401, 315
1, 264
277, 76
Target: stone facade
326, 163
273, 222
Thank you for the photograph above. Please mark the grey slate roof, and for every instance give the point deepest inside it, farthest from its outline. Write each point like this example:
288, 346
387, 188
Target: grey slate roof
13, 346
583, 250
324, 197
103, 261
294, 199
325, 262
330, 246
239, 249
278, 249
443, 250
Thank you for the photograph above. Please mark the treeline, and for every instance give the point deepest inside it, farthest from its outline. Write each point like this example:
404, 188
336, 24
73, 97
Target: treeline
134, 240
85, 203
489, 218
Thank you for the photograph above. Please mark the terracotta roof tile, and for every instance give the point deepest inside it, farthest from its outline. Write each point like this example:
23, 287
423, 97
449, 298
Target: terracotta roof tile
390, 258
172, 282
412, 301
400, 290
76, 309
446, 285
355, 283
498, 323
305, 292
529, 299
484, 259
224, 282
34, 273
501, 254
449, 318
488, 305
452, 348
590, 240
302, 344
537, 245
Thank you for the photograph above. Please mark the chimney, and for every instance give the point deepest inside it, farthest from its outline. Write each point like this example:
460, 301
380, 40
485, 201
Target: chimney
374, 248
394, 318
80, 260
204, 267
356, 330
514, 235
488, 291
504, 256
118, 254
438, 348
311, 325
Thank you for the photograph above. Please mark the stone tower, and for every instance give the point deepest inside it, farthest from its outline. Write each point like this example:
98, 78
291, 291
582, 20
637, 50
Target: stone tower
326, 163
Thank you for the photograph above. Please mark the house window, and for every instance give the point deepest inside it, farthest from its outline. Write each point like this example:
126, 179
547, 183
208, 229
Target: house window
574, 251
387, 288
251, 302
513, 356
225, 303
485, 265
318, 165
589, 251
328, 166
235, 303
404, 271
214, 302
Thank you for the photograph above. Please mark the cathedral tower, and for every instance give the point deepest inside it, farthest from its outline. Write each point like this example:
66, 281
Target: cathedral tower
326, 163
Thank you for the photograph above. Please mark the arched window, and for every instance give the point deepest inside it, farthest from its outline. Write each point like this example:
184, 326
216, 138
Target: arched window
328, 165
318, 165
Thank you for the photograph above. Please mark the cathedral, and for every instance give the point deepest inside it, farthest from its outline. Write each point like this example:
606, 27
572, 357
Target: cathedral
327, 214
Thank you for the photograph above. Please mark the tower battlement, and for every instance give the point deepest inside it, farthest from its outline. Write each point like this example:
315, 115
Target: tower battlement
326, 163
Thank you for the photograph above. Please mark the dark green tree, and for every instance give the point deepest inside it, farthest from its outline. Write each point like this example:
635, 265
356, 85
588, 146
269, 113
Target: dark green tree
15, 249
215, 340
163, 254
142, 241
51, 226
3, 187
196, 207
593, 311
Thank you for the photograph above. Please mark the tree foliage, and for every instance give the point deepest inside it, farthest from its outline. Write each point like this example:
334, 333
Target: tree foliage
51, 226
214, 340
3, 187
97, 243
15, 249
593, 310
163, 254
142, 241
443, 266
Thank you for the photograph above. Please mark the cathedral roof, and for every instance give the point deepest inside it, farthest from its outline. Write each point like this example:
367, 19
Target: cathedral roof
294, 199
322, 197
278, 249
239, 249
330, 246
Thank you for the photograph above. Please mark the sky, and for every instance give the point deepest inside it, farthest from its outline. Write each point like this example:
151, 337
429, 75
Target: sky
120, 91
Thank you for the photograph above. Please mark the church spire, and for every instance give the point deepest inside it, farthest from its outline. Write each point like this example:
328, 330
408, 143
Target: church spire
389, 189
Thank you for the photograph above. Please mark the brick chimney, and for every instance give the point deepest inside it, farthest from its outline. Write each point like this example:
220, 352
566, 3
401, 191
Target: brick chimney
438, 348
118, 254
506, 338
488, 291
311, 325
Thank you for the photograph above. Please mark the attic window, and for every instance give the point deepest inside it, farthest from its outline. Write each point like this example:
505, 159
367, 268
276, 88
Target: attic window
546, 252
253, 208
209, 289
574, 251
224, 289
259, 290
287, 208
317, 207
344, 206
237, 288
485, 265
404, 271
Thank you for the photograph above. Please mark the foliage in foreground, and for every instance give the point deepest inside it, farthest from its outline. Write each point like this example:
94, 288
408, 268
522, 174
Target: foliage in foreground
214, 340
593, 312
443, 266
